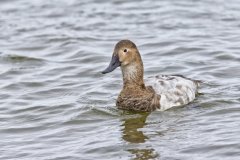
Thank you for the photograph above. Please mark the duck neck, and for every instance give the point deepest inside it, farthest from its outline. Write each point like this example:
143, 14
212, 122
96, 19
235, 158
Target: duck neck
133, 75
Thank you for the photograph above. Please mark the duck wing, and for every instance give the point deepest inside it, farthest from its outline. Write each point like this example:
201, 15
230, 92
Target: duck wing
175, 90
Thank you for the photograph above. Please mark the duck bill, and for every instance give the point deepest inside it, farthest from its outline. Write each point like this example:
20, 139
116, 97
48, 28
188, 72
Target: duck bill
113, 64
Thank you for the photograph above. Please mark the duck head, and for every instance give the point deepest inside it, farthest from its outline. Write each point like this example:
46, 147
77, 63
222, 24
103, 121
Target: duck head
127, 56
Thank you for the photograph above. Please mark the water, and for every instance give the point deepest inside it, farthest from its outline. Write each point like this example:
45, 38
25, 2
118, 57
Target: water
55, 104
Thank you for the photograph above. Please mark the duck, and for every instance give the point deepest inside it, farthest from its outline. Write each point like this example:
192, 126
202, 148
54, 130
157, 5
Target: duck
159, 92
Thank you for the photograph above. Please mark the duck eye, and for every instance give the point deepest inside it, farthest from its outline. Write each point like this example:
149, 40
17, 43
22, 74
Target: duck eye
125, 50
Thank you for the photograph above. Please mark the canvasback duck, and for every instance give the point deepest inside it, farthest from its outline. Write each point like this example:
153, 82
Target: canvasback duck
159, 92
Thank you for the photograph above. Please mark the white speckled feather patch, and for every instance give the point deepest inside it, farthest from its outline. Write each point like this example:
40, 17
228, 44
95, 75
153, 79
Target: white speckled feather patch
174, 90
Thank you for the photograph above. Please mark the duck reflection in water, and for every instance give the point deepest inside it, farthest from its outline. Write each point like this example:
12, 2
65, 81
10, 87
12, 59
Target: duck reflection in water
132, 133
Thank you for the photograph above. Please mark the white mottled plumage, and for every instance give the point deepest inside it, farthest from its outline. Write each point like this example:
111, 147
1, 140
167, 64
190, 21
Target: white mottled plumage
174, 90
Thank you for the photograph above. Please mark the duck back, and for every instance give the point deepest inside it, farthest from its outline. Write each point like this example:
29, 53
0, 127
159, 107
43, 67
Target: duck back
175, 90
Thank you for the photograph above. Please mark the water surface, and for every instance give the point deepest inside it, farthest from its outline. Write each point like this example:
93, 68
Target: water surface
55, 104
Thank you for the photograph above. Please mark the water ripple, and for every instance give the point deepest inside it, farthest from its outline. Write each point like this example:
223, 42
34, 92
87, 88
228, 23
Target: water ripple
55, 103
